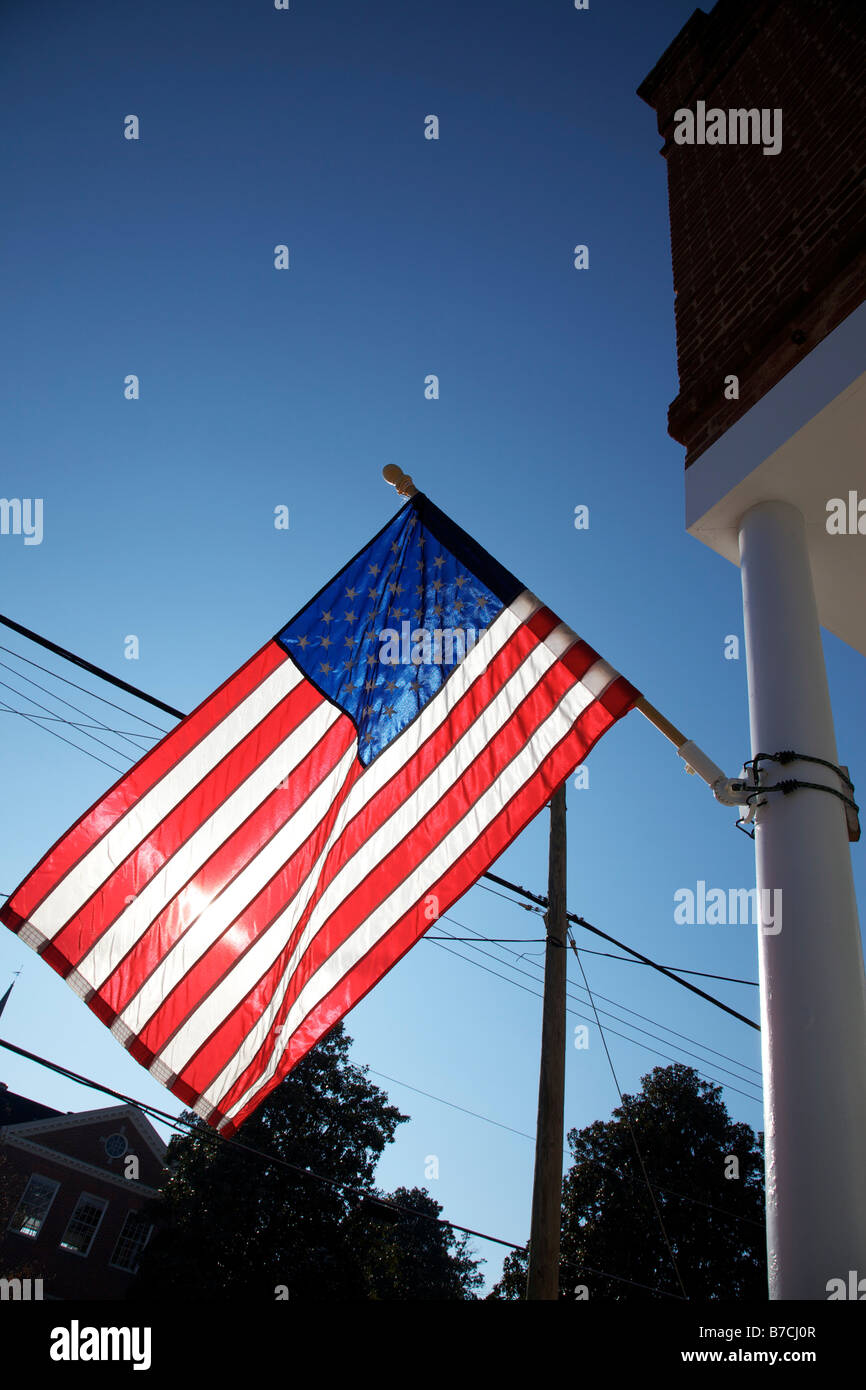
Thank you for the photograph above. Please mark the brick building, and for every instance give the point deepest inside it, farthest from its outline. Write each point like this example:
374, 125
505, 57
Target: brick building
76, 1184
761, 108
769, 251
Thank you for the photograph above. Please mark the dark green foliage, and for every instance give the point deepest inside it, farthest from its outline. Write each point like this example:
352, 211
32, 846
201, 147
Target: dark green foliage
234, 1226
16, 1260
685, 1136
413, 1258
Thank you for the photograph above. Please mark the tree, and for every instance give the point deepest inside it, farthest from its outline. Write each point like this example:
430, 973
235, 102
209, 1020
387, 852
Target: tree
231, 1225
706, 1173
15, 1262
413, 1257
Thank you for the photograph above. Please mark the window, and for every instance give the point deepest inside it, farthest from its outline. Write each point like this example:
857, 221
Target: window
33, 1208
131, 1241
83, 1224
116, 1145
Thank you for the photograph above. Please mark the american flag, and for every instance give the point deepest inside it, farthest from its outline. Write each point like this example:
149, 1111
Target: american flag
241, 888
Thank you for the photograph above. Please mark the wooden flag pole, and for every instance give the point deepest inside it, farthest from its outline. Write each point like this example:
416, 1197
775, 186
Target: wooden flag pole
544, 1239
664, 726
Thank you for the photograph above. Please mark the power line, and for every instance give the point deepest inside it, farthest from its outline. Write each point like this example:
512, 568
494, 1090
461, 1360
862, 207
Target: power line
702, 974
582, 922
634, 1041
494, 940
626, 960
79, 724
89, 666
83, 688
48, 715
629, 1123
22, 677
24, 696
521, 1133
34, 719
620, 1280
499, 1124
616, 1003
625, 1021
203, 1131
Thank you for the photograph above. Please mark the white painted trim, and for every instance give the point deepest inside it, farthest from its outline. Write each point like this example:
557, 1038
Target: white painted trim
123, 1268
801, 394
92, 1197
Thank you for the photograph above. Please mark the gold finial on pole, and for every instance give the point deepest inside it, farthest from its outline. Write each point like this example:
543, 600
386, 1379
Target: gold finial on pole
398, 479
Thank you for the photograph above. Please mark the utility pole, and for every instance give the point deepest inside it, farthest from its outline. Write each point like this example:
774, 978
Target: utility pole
543, 1274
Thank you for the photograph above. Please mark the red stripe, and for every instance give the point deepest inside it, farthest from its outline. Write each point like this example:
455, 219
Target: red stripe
495, 839
109, 900
105, 813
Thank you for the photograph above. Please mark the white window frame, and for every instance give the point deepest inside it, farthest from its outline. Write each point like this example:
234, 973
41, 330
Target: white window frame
97, 1201
135, 1212
34, 1235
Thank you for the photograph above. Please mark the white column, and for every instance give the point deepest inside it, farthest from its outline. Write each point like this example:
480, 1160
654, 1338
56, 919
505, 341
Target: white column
813, 995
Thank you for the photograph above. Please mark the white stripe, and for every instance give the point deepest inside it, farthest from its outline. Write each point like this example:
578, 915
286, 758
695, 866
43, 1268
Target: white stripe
73, 891
235, 898
107, 953
560, 639
236, 985
458, 840
525, 605
598, 678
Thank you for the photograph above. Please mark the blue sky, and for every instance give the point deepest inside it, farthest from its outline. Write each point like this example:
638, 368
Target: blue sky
262, 387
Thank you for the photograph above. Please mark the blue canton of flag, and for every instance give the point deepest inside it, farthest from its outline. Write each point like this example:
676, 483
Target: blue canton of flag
383, 637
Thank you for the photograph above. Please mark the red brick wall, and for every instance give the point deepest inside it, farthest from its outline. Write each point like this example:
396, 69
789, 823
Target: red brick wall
769, 251
64, 1273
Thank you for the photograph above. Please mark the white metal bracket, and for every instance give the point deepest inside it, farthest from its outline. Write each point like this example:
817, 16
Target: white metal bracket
729, 791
